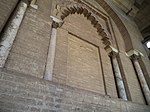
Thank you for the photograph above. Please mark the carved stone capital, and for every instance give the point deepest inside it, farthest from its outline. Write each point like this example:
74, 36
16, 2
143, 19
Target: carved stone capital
134, 54
55, 25
134, 57
56, 22
33, 4
111, 50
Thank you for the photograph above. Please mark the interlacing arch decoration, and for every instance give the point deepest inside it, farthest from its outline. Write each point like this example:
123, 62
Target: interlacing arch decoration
62, 9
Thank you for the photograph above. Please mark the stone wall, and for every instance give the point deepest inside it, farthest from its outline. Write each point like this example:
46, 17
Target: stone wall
22, 93
80, 67
132, 85
29, 54
29, 51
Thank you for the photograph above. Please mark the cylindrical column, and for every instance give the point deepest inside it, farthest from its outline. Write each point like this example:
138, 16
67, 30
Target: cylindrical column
51, 53
10, 32
142, 80
118, 77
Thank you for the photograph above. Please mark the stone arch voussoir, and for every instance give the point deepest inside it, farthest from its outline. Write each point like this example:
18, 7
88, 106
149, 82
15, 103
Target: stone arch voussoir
72, 8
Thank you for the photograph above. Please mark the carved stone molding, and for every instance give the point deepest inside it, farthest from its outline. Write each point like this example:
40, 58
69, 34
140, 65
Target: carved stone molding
62, 8
56, 22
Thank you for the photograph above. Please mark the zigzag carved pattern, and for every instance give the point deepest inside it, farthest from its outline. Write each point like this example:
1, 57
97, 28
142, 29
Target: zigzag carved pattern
68, 7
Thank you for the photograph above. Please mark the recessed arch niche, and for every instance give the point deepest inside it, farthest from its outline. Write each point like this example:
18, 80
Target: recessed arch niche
73, 40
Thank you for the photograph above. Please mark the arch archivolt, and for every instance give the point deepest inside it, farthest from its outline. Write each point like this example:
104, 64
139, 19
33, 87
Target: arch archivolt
63, 8
60, 10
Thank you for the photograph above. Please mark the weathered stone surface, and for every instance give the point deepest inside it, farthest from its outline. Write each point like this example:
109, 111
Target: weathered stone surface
58, 98
118, 77
6, 8
83, 65
132, 81
29, 51
67, 53
10, 32
51, 55
29, 55
142, 80
108, 74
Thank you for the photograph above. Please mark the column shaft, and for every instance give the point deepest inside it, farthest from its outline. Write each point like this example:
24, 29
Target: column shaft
51, 55
10, 32
142, 80
118, 77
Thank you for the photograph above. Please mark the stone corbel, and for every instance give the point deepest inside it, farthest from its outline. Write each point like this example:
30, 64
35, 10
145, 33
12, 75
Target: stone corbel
33, 4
